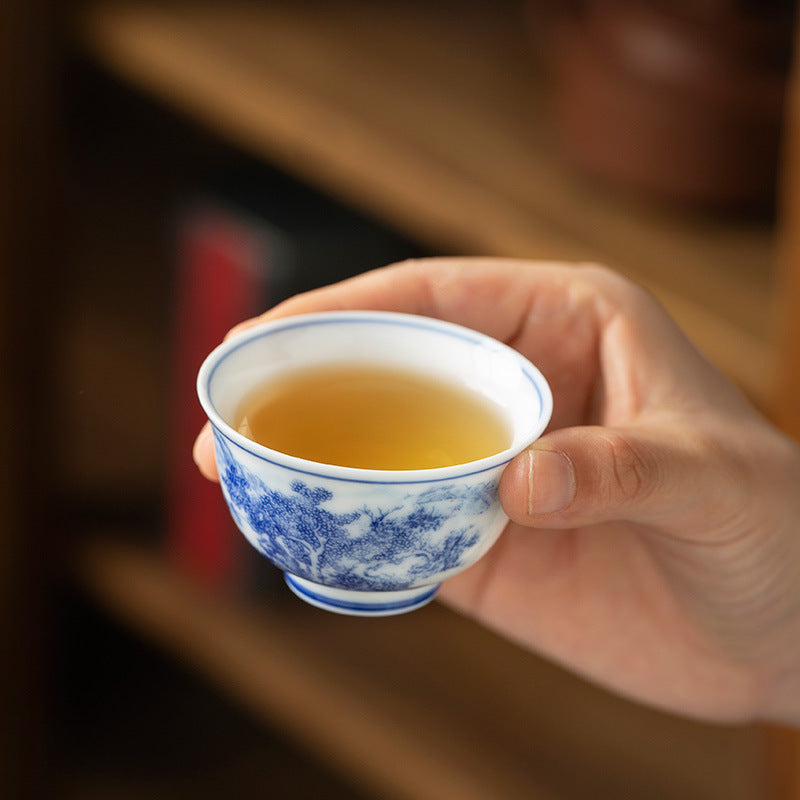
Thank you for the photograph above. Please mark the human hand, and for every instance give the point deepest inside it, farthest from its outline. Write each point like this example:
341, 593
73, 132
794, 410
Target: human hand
654, 541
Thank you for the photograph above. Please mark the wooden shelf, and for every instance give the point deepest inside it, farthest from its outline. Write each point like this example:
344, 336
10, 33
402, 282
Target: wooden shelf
427, 705
434, 119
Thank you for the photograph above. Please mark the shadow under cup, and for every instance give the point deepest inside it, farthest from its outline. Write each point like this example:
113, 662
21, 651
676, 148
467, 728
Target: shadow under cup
362, 541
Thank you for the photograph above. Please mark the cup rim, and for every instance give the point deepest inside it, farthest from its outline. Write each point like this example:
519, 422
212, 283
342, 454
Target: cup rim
319, 469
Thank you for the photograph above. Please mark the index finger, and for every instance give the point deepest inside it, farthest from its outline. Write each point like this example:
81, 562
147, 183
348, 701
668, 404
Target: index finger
489, 295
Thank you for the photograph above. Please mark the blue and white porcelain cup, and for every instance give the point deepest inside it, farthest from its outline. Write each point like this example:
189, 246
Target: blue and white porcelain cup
361, 541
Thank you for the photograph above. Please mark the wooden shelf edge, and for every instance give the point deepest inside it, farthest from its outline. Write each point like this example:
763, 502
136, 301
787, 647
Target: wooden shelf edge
255, 657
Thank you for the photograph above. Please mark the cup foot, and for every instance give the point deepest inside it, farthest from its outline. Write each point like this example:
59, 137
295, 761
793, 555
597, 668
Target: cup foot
360, 604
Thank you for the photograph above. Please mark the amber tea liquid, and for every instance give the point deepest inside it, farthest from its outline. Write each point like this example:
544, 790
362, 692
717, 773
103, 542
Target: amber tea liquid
373, 418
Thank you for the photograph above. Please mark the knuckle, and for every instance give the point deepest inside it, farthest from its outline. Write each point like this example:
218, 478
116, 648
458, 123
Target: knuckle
629, 476
626, 292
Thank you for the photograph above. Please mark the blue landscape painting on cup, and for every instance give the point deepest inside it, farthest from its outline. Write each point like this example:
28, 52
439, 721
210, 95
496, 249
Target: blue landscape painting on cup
365, 548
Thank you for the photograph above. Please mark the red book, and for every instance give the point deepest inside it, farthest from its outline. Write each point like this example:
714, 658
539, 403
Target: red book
222, 278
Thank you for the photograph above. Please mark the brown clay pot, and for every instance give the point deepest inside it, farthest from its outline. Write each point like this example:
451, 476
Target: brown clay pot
674, 101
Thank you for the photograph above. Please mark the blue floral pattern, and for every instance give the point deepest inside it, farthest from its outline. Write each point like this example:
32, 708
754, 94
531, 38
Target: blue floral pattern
364, 549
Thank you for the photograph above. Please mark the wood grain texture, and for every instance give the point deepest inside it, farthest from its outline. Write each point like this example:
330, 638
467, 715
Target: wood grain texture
786, 398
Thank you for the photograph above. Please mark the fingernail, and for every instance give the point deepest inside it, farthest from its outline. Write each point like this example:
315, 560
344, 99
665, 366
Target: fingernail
551, 481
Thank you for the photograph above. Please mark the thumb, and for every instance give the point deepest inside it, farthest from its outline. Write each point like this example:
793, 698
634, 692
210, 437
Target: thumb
586, 475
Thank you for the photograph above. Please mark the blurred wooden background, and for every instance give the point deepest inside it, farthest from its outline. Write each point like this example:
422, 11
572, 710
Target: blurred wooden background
435, 121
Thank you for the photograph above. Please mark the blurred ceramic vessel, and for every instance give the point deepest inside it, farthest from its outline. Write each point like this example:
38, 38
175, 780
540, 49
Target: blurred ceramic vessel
674, 100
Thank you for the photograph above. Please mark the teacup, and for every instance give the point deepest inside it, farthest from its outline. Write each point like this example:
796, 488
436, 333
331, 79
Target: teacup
364, 541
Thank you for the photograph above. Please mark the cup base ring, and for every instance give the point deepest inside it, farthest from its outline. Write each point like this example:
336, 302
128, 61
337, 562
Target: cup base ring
360, 604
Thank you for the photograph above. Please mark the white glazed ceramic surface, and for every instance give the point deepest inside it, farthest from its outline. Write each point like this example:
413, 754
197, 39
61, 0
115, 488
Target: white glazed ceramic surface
357, 541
